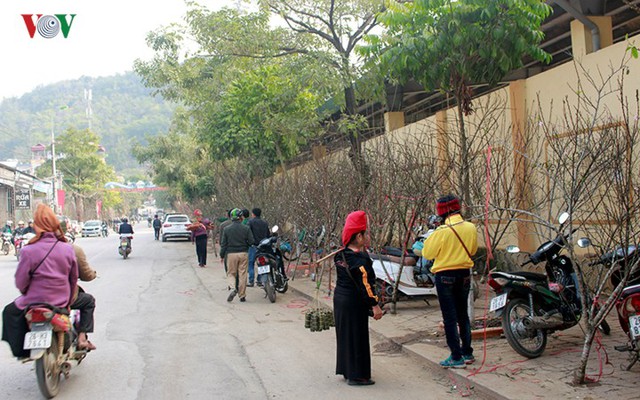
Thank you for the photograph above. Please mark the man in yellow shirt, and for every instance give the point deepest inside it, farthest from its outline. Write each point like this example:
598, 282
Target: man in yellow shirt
451, 247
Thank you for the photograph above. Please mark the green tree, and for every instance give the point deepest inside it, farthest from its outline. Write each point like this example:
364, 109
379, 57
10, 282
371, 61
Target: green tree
450, 45
83, 170
329, 31
266, 114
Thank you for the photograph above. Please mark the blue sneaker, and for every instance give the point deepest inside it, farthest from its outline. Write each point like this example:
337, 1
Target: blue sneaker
469, 359
451, 363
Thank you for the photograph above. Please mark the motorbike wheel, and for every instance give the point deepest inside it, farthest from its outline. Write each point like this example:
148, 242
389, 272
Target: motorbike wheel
48, 372
5, 248
525, 341
270, 289
283, 288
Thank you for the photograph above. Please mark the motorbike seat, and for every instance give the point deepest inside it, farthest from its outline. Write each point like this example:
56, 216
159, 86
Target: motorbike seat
532, 276
628, 291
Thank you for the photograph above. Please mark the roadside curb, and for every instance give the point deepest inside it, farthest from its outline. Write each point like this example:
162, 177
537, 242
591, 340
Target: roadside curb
433, 366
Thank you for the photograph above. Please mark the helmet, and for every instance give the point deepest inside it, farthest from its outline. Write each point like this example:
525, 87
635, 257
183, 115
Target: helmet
236, 213
125, 220
20, 222
434, 221
9, 222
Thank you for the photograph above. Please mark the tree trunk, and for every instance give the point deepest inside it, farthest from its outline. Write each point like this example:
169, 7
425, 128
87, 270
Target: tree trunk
580, 372
355, 151
463, 174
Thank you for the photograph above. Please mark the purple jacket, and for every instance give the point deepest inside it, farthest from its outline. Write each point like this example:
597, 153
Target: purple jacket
55, 281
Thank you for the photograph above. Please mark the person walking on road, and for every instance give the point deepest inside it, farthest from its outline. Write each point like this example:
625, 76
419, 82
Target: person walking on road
199, 232
223, 225
234, 249
354, 301
260, 230
157, 224
451, 246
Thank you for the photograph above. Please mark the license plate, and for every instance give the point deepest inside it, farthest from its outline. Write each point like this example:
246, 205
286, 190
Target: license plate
634, 326
263, 269
37, 340
498, 302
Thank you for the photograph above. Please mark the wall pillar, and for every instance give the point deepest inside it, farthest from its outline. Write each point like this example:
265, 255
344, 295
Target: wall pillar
525, 228
393, 120
582, 37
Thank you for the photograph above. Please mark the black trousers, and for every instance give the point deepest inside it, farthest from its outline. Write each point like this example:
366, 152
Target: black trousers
86, 303
157, 232
201, 249
14, 327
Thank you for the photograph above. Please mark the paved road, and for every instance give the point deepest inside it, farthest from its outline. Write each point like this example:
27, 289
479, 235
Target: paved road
164, 330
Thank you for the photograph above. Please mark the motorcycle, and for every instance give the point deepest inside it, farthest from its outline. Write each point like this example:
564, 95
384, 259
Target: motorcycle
7, 240
20, 241
533, 305
52, 341
125, 245
270, 266
412, 283
628, 304
105, 230
71, 238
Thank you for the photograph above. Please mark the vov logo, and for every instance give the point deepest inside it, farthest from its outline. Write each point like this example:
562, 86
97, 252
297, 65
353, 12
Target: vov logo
48, 26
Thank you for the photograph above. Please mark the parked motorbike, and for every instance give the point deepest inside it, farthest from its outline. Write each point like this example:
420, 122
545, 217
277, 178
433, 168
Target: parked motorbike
533, 305
628, 304
124, 249
20, 241
6, 242
52, 341
270, 266
386, 265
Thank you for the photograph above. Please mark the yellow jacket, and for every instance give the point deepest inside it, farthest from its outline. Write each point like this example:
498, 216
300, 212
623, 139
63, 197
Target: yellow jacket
444, 247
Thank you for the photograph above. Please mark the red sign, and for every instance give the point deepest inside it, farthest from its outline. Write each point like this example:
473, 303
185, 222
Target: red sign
61, 199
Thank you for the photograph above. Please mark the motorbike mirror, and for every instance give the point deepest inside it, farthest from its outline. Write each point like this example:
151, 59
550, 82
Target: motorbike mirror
275, 228
584, 242
563, 217
513, 249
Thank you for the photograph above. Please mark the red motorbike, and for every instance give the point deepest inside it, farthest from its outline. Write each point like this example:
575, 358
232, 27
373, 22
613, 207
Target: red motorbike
52, 342
625, 261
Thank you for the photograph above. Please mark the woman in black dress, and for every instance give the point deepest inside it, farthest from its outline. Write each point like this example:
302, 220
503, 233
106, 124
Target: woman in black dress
354, 300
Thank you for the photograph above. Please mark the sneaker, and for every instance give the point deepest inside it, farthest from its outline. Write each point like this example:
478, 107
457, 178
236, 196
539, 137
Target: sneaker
451, 363
469, 359
243, 299
231, 295
250, 284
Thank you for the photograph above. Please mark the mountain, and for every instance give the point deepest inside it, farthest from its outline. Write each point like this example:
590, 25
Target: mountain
123, 112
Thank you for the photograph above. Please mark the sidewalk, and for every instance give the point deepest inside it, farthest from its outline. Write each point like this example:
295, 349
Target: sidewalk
505, 374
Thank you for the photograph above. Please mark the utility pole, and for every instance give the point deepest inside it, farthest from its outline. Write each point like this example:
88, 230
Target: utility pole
53, 167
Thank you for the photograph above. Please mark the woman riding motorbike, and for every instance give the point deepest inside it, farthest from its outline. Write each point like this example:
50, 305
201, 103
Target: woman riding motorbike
47, 273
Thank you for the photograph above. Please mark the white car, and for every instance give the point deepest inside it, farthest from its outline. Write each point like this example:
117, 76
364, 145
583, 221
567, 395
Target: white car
92, 228
175, 226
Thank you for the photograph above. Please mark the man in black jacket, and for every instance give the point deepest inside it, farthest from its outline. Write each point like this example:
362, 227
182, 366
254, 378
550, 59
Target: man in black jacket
260, 231
157, 224
234, 249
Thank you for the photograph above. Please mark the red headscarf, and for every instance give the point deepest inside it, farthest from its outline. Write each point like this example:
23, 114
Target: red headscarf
355, 222
45, 220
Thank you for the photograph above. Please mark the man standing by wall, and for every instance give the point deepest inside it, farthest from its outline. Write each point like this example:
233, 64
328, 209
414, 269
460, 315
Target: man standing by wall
260, 230
234, 249
451, 246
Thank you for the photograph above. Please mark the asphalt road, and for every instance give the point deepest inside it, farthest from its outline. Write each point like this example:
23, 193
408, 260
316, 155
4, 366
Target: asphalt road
164, 330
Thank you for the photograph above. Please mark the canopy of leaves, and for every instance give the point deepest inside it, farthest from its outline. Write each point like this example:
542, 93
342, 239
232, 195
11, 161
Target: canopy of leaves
84, 171
444, 44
